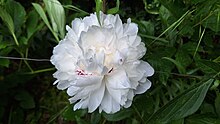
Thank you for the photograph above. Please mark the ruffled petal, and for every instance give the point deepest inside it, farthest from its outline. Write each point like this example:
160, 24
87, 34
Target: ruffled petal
145, 68
108, 104
83, 81
143, 87
63, 85
117, 84
95, 98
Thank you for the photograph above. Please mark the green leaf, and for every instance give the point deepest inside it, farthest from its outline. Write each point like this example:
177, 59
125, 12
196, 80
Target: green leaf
215, 85
183, 105
23, 40
213, 22
217, 104
32, 23
202, 119
57, 16
26, 100
147, 27
125, 113
183, 58
71, 115
95, 118
197, 1
17, 12
176, 7
80, 121
71, 7
42, 14
144, 106
9, 23
179, 66
4, 62
17, 116
151, 6
208, 67
163, 66
115, 9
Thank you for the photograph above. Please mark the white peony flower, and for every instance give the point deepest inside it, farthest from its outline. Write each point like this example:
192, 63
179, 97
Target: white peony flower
100, 65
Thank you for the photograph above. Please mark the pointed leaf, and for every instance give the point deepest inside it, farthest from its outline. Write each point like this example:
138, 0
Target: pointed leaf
9, 23
115, 9
179, 66
57, 16
183, 105
208, 66
125, 113
202, 119
17, 12
42, 14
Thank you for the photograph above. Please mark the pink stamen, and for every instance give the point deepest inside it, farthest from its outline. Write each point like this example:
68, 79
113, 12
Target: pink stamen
81, 72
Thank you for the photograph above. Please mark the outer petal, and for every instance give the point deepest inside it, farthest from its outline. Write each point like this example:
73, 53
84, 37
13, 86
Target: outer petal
63, 85
145, 68
72, 90
143, 87
91, 20
78, 26
95, 98
130, 28
82, 104
108, 104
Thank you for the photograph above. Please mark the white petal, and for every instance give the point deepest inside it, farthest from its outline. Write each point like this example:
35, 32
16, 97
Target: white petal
109, 105
143, 87
130, 98
91, 20
146, 68
118, 79
78, 26
72, 90
71, 35
55, 82
83, 81
118, 26
63, 85
117, 84
96, 98
130, 29
135, 40
61, 75
82, 104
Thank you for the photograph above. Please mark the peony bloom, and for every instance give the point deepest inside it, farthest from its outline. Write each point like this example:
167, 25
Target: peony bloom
100, 65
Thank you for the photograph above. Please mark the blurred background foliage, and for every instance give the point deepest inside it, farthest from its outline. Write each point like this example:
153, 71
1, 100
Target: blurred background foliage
183, 42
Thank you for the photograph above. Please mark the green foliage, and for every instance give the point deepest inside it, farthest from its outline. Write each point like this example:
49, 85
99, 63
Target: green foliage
57, 16
115, 9
182, 106
9, 23
42, 14
25, 99
182, 40
69, 114
123, 114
